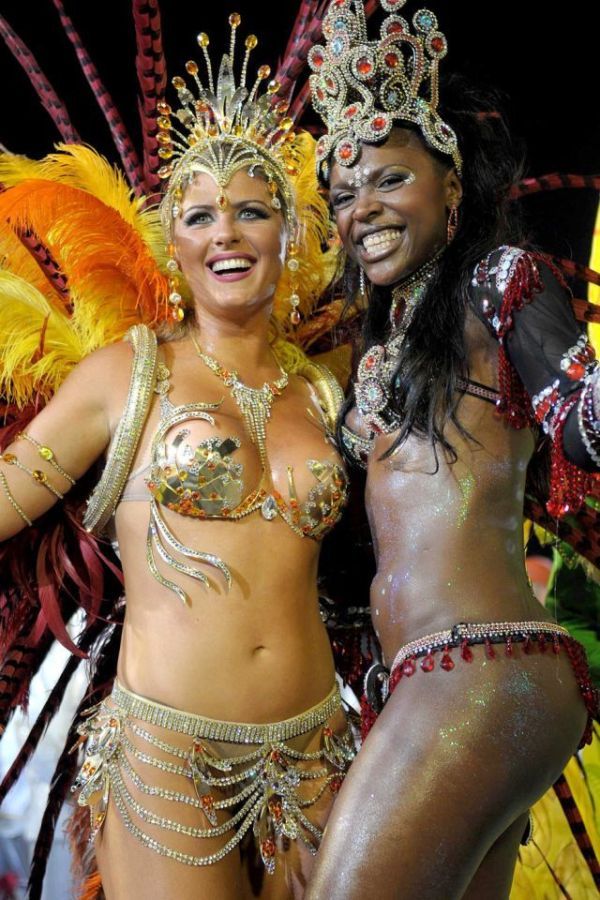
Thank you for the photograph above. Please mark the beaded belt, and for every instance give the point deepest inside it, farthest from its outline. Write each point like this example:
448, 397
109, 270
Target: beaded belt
214, 729
467, 633
379, 683
261, 789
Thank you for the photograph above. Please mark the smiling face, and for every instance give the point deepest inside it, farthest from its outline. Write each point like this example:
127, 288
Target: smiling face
391, 208
231, 258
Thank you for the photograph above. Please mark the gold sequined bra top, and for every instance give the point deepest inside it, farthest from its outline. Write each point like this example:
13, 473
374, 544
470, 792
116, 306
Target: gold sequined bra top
206, 482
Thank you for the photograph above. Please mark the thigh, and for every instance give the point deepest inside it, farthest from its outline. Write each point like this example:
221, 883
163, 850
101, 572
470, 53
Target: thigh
130, 869
493, 879
452, 762
315, 793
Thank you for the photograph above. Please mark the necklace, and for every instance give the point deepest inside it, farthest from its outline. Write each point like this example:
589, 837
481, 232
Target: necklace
378, 365
254, 403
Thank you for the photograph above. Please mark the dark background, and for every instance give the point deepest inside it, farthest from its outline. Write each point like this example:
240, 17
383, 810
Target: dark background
545, 63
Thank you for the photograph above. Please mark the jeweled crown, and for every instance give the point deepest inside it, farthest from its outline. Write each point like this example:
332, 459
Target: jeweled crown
222, 127
361, 87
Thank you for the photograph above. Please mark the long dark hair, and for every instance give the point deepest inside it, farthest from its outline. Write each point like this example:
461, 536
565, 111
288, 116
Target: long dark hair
424, 390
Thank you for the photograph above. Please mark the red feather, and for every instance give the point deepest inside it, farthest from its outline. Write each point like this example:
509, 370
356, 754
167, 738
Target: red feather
123, 142
152, 77
48, 96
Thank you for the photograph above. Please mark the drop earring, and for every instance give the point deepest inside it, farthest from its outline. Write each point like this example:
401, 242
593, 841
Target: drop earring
293, 265
175, 298
452, 225
362, 282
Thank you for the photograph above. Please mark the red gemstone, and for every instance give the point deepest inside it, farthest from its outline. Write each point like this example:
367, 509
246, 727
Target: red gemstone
542, 643
489, 650
267, 848
335, 784
575, 371
527, 648
320, 94
466, 652
447, 662
409, 668
369, 362
395, 28
543, 408
351, 111
438, 44
379, 123
330, 83
428, 663
317, 58
364, 65
345, 151
555, 645
391, 60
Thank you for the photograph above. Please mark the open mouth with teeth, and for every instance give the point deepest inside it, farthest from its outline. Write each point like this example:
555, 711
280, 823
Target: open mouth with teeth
378, 243
231, 269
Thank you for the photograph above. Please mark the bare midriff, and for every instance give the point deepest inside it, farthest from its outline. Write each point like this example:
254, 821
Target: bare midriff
257, 652
448, 536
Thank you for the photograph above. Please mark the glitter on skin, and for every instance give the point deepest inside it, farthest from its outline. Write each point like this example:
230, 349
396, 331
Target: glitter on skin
466, 485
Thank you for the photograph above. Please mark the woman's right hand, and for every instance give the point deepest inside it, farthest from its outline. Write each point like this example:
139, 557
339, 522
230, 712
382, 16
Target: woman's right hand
76, 425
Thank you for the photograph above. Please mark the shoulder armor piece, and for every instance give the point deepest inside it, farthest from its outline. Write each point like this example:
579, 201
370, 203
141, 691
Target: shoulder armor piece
105, 497
330, 394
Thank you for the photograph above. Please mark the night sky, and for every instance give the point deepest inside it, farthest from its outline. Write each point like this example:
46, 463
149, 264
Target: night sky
545, 65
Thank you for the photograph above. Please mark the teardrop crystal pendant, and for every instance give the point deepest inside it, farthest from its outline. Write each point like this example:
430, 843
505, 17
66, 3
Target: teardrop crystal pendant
269, 508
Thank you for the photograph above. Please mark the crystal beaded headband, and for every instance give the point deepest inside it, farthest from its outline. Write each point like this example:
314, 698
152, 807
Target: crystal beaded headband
361, 87
224, 127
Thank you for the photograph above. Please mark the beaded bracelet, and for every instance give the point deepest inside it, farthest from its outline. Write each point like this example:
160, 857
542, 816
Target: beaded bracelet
38, 476
47, 454
11, 499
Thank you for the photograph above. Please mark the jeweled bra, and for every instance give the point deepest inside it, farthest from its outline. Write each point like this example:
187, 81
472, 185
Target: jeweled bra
205, 482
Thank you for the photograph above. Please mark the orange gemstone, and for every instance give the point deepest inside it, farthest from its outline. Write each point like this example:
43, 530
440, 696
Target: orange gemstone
379, 123
391, 60
345, 151
267, 848
364, 66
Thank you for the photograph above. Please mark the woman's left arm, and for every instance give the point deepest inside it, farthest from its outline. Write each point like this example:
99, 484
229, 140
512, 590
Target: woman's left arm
557, 366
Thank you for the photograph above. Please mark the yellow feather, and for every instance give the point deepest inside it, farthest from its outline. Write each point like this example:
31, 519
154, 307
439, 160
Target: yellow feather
82, 167
38, 344
316, 253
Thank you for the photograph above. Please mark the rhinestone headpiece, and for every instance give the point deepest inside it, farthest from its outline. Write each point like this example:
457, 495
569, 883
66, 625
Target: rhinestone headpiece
222, 127
361, 87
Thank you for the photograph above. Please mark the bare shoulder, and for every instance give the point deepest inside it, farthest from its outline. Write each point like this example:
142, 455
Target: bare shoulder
98, 385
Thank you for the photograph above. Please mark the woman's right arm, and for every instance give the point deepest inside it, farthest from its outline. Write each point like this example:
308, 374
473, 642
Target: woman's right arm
73, 429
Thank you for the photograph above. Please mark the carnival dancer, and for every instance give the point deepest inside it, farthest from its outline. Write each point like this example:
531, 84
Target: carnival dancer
473, 366
210, 768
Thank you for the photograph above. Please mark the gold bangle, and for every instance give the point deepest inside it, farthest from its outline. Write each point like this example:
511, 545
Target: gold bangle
11, 499
48, 455
38, 476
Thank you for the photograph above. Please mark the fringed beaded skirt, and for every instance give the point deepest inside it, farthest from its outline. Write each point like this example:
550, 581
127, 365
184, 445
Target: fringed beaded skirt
190, 788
